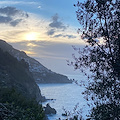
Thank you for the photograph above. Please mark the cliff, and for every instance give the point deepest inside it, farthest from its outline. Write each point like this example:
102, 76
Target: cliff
15, 74
40, 73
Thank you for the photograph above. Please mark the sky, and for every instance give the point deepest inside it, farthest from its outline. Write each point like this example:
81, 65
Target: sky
45, 29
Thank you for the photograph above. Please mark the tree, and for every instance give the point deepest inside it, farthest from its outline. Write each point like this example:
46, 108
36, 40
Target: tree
100, 28
15, 106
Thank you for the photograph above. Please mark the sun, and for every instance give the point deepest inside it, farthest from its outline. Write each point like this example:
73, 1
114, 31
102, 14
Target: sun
31, 36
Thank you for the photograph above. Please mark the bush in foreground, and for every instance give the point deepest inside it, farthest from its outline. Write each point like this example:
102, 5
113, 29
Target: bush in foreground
13, 106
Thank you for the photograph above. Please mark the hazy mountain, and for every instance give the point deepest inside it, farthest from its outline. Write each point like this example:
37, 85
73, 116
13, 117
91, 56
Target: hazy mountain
40, 73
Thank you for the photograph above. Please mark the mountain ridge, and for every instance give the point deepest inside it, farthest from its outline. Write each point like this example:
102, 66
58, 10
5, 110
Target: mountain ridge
40, 73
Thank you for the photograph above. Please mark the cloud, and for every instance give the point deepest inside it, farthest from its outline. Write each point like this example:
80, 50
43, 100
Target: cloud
51, 32
4, 19
17, 27
16, 2
15, 22
59, 29
9, 11
31, 45
29, 52
56, 23
12, 11
39, 7
59, 35
68, 36
8, 16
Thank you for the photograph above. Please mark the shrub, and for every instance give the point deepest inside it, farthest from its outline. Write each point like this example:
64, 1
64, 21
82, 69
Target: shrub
13, 106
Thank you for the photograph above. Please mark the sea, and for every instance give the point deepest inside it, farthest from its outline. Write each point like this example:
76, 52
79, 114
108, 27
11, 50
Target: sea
66, 98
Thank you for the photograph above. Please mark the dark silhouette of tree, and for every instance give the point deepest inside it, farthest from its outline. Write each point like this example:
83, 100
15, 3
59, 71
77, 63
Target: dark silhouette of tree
100, 28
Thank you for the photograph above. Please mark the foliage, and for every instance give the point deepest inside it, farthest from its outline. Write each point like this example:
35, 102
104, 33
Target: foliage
13, 106
75, 114
106, 112
18, 91
100, 19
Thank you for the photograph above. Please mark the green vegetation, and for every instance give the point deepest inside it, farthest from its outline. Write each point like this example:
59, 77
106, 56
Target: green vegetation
16, 74
19, 94
100, 29
14, 106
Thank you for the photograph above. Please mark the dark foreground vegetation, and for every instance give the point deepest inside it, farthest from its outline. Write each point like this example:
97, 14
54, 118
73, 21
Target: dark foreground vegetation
19, 94
100, 29
14, 106
16, 74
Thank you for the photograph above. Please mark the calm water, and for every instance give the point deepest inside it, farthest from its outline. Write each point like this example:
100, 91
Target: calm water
64, 95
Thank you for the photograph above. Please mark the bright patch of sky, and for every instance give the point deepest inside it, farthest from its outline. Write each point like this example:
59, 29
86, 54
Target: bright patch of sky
44, 29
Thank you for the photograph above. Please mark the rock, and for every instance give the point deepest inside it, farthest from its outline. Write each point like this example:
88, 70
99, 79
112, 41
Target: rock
49, 110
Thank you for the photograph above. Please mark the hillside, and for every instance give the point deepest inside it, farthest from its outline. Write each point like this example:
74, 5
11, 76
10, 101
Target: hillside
15, 74
40, 73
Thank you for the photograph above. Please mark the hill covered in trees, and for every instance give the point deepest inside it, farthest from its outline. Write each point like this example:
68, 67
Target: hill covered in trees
19, 94
15, 74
